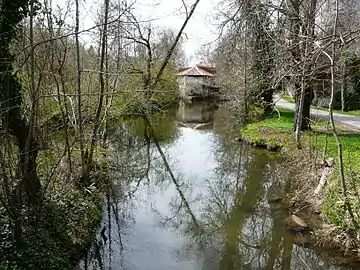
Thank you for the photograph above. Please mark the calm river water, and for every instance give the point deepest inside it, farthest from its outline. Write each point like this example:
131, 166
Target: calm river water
212, 214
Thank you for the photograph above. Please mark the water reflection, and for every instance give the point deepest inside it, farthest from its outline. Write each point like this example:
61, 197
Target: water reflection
199, 112
163, 123
210, 213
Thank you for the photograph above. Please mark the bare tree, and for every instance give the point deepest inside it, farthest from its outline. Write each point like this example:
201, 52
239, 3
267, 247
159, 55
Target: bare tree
102, 86
249, 35
78, 80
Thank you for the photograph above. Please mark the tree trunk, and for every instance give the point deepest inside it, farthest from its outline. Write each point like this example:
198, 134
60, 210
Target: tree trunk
12, 116
301, 55
104, 39
305, 112
173, 46
11, 14
78, 82
262, 62
343, 86
267, 98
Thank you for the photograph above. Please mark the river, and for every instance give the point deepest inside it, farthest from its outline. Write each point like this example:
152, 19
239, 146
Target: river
212, 212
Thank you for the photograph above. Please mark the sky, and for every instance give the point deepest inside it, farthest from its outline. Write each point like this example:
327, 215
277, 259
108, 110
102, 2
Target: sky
200, 29
167, 14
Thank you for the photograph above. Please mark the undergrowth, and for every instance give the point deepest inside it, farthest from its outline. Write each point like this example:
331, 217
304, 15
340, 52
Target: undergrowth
56, 235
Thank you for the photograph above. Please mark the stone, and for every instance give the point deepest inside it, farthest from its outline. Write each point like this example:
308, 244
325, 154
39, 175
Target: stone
294, 223
203, 126
330, 162
273, 198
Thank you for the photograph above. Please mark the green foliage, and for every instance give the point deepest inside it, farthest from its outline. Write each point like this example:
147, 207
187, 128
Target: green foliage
69, 221
255, 111
70, 213
168, 80
165, 97
131, 98
272, 132
167, 90
124, 105
287, 98
334, 205
351, 62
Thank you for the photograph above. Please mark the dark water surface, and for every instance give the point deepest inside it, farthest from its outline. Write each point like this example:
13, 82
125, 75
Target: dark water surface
213, 214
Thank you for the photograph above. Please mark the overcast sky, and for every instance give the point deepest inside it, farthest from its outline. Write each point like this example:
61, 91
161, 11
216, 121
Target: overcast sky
168, 14
200, 29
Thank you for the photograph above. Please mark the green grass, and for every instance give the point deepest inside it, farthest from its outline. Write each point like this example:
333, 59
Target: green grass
271, 132
354, 113
288, 98
274, 132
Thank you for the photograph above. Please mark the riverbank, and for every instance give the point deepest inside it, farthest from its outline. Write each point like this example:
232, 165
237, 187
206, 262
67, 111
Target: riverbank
58, 234
315, 190
61, 231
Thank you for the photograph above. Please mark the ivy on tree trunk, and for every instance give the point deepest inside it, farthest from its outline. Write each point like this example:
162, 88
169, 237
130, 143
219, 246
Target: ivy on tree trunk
11, 14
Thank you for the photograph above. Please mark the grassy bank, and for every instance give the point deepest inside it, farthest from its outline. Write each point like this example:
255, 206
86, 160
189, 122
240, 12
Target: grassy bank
274, 132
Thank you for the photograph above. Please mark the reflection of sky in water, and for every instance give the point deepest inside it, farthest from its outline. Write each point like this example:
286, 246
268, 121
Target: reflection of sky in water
152, 244
193, 153
149, 245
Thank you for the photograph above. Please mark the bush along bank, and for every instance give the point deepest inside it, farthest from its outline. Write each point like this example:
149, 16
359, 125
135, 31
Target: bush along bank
65, 227
314, 178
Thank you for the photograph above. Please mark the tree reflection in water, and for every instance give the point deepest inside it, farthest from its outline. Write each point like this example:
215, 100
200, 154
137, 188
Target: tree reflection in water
196, 202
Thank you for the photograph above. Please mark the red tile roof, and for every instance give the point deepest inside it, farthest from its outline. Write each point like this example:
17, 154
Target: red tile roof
197, 70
